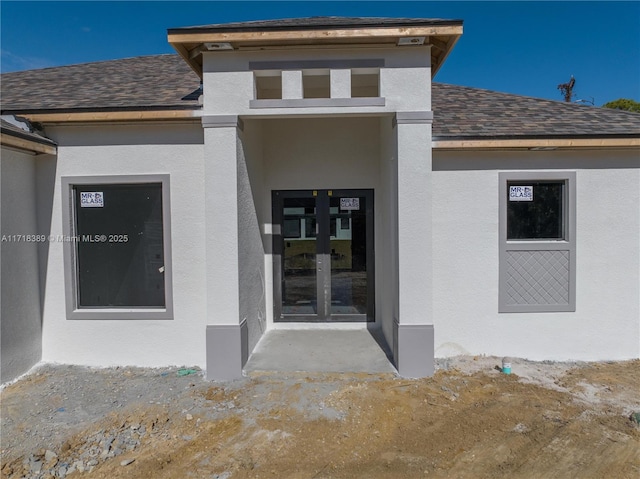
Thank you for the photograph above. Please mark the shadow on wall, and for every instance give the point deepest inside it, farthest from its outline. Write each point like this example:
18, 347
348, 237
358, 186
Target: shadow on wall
45, 186
27, 195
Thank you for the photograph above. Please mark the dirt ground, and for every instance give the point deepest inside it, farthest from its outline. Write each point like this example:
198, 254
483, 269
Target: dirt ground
545, 420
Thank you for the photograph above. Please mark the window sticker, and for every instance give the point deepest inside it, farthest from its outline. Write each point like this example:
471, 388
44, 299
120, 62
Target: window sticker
349, 204
91, 199
520, 193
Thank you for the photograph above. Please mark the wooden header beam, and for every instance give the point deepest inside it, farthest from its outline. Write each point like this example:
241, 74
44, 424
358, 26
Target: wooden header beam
27, 145
341, 35
101, 116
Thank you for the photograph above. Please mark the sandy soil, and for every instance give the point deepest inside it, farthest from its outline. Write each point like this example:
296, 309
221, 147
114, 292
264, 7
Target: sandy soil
546, 420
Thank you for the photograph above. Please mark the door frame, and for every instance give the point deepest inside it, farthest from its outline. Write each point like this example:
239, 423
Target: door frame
323, 255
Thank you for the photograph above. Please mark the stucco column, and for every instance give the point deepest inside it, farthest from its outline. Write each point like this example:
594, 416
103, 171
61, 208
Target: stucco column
413, 333
225, 334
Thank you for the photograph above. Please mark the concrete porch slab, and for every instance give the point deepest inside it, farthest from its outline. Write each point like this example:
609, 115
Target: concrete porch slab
332, 350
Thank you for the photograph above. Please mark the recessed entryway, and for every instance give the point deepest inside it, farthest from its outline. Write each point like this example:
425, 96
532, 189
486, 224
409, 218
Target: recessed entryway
323, 255
322, 350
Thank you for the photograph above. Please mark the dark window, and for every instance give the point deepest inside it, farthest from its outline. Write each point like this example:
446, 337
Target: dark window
535, 210
120, 248
292, 227
310, 227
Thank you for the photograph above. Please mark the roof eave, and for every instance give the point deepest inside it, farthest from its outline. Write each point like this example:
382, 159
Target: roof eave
26, 142
190, 43
112, 115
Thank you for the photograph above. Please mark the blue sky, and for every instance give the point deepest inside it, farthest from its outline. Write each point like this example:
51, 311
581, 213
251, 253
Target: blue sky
526, 48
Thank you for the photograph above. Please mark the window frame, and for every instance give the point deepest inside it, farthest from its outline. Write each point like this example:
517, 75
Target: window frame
70, 251
567, 243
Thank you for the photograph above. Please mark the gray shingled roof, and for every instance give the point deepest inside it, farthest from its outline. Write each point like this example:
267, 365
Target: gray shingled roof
166, 82
314, 23
464, 112
149, 82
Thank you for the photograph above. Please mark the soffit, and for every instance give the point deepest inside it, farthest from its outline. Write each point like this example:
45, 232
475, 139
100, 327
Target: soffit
317, 32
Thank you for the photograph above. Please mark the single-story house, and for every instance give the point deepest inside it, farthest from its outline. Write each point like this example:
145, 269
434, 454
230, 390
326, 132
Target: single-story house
309, 174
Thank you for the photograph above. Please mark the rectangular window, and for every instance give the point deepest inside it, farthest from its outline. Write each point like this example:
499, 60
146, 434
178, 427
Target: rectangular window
535, 210
118, 255
537, 242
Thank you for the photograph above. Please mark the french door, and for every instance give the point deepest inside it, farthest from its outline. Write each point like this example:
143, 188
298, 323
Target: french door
323, 255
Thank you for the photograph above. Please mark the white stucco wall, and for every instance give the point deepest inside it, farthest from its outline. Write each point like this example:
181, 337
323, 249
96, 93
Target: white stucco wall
405, 79
175, 150
386, 237
20, 290
251, 243
606, 323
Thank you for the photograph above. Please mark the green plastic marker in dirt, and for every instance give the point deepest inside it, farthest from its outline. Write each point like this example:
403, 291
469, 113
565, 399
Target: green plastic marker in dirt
506, 365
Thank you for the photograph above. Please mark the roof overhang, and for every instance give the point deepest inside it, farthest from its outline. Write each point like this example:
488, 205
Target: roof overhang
441, 35
26, 142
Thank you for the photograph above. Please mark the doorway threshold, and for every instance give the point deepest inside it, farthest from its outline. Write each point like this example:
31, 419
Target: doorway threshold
321, 351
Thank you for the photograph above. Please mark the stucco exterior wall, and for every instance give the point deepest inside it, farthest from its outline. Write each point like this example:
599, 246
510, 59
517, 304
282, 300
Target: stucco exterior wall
405, 79
175, 150
251, 246
606, 323
21, 325
386, 239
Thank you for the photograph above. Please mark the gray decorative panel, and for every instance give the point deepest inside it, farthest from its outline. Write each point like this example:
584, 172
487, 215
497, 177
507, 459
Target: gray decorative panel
537, 277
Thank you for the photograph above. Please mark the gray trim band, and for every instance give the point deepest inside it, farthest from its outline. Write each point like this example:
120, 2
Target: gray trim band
318, 102
413, 117
413, 349
311, 64
222, 121
227, 351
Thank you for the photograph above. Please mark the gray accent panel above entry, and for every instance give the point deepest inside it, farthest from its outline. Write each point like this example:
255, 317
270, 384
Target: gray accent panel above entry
313, 64
318, 102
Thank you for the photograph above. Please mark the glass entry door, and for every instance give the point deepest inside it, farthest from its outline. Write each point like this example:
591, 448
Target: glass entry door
323, 255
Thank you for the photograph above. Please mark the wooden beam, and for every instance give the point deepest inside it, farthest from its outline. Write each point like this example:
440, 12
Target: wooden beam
73, 117
443, 56
439, 44
325, 35
537, 143
185, 54
27, 145
196, 51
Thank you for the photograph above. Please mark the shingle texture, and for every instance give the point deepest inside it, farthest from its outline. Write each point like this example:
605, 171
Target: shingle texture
311, 23
166, 82
160, 81
472, 112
